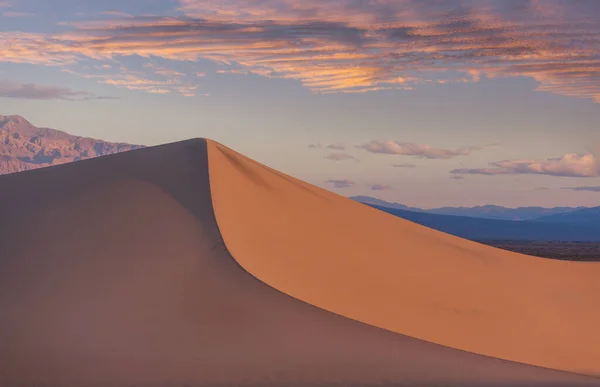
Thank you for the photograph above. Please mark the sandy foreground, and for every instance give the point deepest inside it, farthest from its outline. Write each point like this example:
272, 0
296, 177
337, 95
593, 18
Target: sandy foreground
116, 272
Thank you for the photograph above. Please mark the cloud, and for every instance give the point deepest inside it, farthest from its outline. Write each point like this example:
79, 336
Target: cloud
336, 146
151, 78
457, 177
9, 89
315, 146
17, 14
4, 4
340, 156
590, 189
410, 149
570, 165
115, 13
541, 189
349, 45
381, 187
404, 165
341, 183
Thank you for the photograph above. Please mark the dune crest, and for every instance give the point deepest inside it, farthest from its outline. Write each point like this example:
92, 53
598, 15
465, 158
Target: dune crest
361, 263
118, 276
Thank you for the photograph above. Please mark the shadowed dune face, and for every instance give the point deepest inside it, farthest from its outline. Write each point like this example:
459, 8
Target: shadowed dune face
117, 276
361, 263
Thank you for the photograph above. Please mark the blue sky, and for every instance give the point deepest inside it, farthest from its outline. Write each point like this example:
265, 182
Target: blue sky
427, 103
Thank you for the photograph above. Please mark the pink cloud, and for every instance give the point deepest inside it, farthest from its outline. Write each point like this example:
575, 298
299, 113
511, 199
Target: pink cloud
410, 149
570, 165
348, 46
152, 79
10, 89
116, 13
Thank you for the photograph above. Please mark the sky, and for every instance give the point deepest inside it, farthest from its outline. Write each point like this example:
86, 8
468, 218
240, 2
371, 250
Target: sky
424, 102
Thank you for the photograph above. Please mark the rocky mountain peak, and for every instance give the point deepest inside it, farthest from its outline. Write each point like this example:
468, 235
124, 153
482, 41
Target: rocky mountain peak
24, 146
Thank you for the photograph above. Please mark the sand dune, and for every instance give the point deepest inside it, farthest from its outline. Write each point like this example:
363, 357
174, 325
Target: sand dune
373, 267
113, 272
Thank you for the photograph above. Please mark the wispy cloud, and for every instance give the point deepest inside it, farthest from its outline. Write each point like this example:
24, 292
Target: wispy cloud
9, 89
150, 78
115, 13
16, 14
341, 183
336, 146
570, 165
4, 4
380, 187
340, 156
404, 165
390, 147
350, 45
590, 189
315, 146
457, 177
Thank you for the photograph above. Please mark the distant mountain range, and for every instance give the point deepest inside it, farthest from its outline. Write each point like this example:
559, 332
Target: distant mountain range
24, 146
480, 229
383, 203
583, 217
485, 212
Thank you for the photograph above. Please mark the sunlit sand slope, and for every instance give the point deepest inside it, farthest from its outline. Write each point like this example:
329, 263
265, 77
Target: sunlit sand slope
113, 273
361, 263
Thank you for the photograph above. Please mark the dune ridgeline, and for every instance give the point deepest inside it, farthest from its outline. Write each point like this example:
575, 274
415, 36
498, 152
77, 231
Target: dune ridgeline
188, 264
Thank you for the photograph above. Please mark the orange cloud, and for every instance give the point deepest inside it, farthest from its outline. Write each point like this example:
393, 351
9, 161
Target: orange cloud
350, 45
